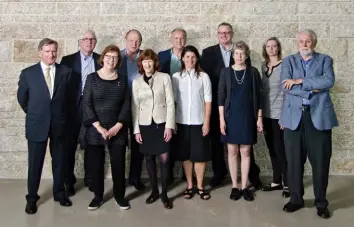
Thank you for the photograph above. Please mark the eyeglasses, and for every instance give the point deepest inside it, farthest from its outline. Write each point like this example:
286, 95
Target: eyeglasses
109, 57
88, 39
225, 33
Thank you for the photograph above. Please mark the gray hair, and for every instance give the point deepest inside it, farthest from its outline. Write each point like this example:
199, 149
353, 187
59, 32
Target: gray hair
46, 42
93, 33
308, 32
180, 30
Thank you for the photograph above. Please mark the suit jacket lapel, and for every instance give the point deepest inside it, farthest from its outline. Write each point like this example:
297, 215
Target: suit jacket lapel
77, 63
41, 80
219, 57
300, 67
313, 64
95, 59
57, 79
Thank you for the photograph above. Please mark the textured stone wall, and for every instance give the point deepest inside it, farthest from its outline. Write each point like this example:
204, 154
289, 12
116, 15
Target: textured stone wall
24, 22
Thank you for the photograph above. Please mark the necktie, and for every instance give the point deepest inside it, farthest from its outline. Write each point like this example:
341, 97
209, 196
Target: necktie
48, 79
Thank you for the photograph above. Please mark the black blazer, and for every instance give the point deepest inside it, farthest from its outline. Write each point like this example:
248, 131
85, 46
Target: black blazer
224, 89
42, 112
73, 61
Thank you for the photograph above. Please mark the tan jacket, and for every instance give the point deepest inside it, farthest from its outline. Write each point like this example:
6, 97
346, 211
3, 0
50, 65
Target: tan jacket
153, 101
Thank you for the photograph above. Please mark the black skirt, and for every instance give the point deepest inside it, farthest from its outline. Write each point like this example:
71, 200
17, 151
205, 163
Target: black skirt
191, 144
153, 140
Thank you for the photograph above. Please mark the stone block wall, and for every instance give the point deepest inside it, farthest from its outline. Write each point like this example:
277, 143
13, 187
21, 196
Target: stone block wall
24, 22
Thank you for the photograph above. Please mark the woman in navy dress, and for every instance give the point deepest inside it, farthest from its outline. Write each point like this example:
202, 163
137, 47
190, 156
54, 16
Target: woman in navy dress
240, 115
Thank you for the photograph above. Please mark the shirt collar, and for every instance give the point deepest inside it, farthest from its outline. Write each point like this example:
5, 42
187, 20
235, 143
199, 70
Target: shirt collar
45, 66
136, 56
86, 57
190, 73
224, 49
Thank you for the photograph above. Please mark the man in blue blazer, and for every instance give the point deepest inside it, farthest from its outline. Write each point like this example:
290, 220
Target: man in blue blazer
308, 118
170, 63
43, 95
82, 63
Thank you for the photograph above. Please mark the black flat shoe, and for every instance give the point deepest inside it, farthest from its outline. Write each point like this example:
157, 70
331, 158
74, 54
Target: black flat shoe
323, 213
269, 187
166, 202
291, 207
285, 193
152, 198
236, 194
31, 208
248, 195
65, 201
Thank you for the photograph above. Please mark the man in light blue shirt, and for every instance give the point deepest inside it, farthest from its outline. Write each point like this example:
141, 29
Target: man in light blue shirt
129, 68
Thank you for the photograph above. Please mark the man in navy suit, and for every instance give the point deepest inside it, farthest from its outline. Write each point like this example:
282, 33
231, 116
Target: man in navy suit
82, 63
129, 67
308, 118
43, 96
170, 63
214, 59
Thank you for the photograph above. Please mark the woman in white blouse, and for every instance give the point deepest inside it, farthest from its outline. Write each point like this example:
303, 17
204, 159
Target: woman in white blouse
192, 91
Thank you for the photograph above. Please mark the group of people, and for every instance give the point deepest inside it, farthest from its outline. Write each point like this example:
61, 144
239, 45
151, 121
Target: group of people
178, 105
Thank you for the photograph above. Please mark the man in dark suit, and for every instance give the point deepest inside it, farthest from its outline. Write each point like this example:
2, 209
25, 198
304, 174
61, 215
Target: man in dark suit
170, 63
43, 96
214, 59
129, 68
308, 117
82, 63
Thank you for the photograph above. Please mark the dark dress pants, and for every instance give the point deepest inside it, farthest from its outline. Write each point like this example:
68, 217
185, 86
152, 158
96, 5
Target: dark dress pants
307, 141
96, 160
36, 155
72, 142
136, 159
275, 142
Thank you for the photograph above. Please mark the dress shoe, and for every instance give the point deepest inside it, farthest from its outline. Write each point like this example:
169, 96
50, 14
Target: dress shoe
95, 203
70, 191
166, 202
323, 213
137, 185
291, 207
272, 187
123, 204
153, 197
248, 195
216, 181
65, 201
31, 208
236, 194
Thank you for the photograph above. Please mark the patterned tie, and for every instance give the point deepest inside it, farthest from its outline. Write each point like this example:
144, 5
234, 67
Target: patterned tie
48, 79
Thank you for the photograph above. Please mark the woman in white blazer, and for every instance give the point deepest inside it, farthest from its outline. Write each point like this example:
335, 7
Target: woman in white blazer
153, 114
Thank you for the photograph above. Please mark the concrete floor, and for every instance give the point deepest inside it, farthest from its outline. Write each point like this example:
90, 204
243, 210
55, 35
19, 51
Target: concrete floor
265, 211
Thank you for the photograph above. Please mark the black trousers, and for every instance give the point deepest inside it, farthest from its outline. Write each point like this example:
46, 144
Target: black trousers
96, 160
136, 159
36, 154
71, 144
307, 141
274, 138
218, 156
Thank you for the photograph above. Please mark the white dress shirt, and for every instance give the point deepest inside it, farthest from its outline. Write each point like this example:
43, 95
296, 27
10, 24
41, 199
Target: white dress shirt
52, 75
191, 93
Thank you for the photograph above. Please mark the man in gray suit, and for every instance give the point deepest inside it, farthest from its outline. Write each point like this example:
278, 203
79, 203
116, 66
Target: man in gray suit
308, 118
